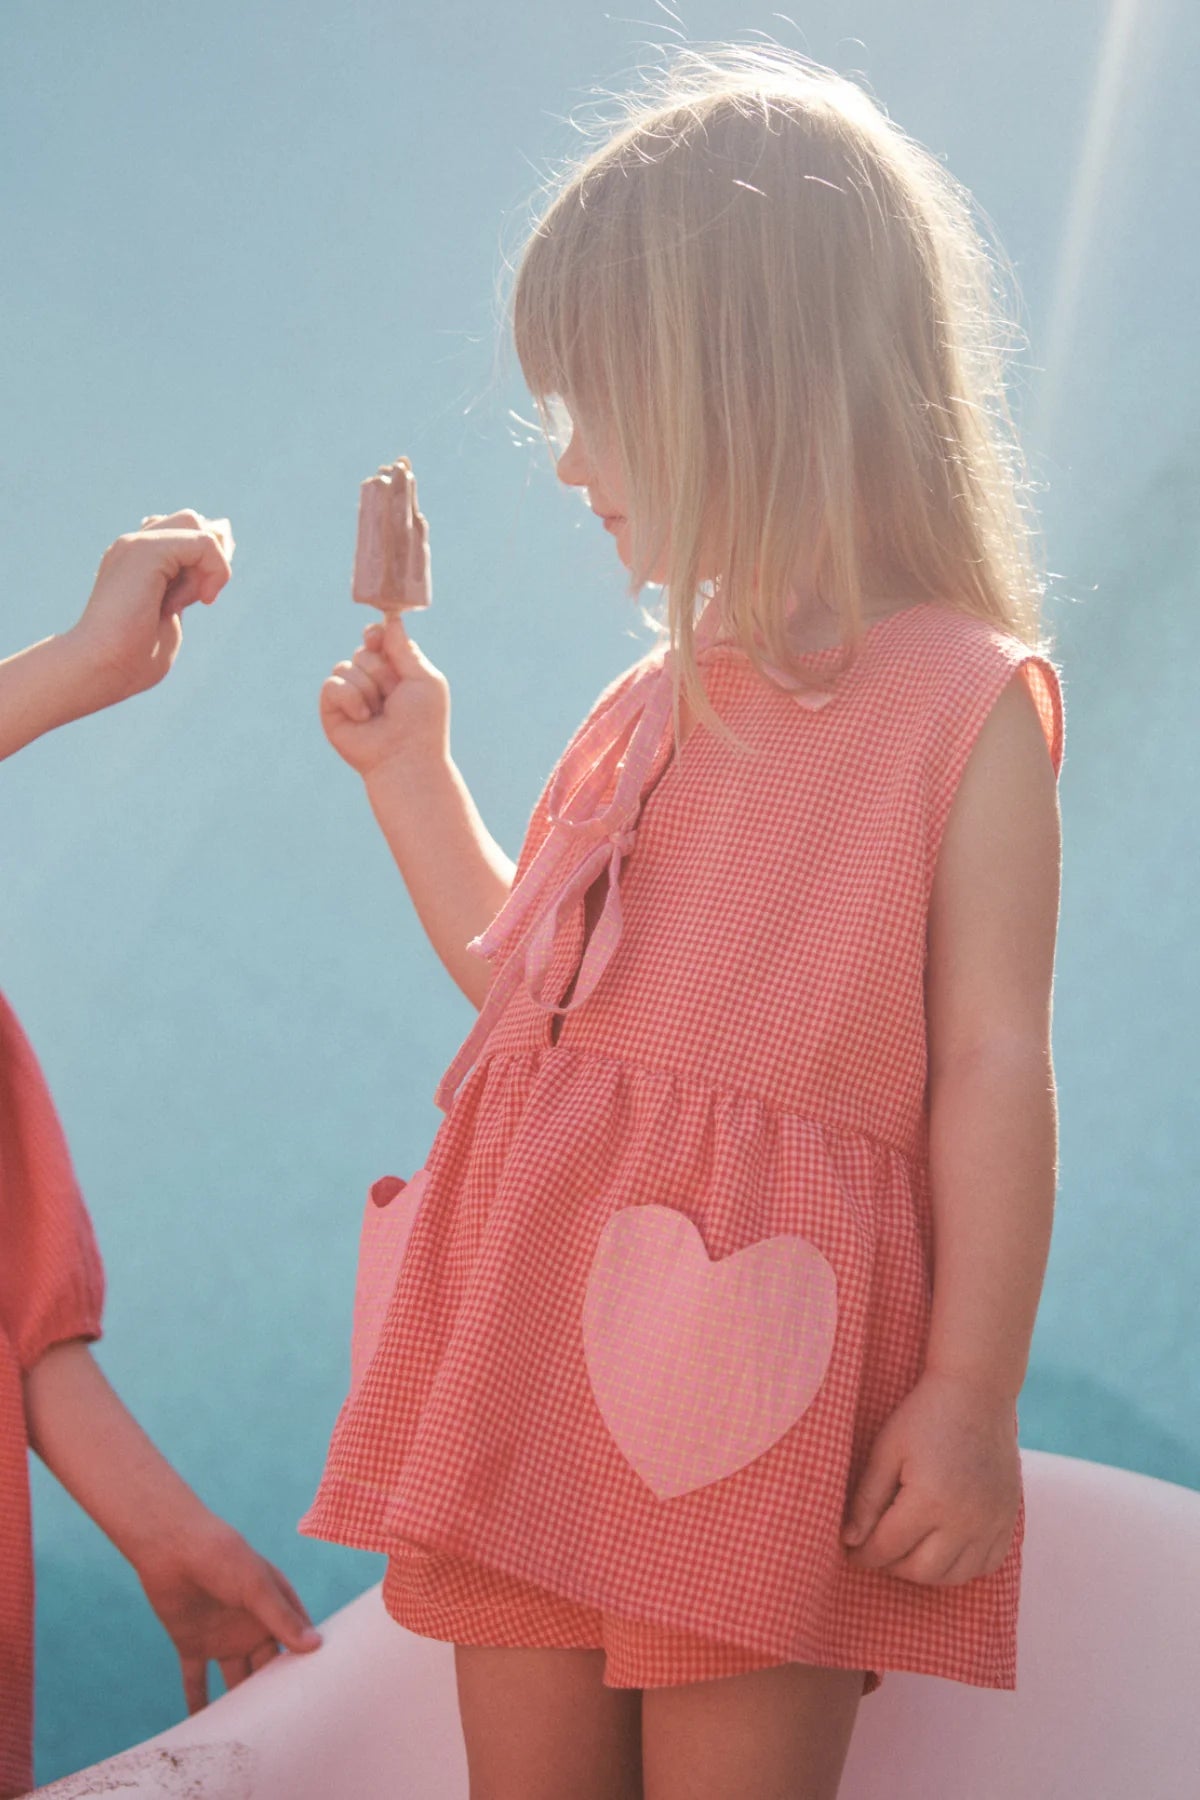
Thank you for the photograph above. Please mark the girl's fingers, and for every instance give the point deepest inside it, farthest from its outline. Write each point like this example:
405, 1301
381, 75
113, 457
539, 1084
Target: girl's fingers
234, 1669
195, 1682
362, 681
262, 1656
281, 1610
960, 1568
379, 669
293, 1596
338, 692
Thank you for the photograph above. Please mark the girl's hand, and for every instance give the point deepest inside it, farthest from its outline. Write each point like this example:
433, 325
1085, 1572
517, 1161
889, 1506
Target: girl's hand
389, 704
938, 1500
129, 633
221, 1602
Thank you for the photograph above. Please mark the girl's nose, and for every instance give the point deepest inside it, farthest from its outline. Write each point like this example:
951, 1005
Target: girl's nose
571, 467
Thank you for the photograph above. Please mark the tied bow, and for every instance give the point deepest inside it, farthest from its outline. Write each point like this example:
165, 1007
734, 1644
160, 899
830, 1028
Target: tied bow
584, 837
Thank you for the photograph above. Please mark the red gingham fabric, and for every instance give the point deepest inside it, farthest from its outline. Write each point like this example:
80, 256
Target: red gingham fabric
51, 1288
464, 1602
582, 1381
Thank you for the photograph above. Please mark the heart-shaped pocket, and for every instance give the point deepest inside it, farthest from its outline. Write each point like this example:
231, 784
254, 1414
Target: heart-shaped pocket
697, 1367
388, 1219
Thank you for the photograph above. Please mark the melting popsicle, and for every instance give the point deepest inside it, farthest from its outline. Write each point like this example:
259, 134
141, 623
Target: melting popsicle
391, 556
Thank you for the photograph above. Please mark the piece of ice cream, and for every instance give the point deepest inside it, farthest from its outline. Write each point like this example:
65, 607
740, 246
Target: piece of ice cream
391, 561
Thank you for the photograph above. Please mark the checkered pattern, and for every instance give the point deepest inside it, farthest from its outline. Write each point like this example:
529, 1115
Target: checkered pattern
51, 1288
463, 1602
753, 1059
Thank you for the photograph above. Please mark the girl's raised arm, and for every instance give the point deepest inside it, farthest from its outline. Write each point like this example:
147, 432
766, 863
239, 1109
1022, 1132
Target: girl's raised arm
129, 633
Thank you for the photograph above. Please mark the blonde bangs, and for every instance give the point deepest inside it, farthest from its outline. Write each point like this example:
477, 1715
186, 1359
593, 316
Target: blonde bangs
782, 309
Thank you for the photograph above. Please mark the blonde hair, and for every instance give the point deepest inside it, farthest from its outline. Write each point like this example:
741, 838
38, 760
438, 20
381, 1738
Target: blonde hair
782, 310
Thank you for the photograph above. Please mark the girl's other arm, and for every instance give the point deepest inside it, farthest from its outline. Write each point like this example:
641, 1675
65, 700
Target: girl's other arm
129, 633
215, 1596
939, 1497
993, 1112
41, 688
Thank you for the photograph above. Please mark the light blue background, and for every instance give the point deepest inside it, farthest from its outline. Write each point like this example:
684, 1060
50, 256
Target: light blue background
250, 253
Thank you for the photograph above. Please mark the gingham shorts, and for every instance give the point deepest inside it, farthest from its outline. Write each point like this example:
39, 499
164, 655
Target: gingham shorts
464, 1602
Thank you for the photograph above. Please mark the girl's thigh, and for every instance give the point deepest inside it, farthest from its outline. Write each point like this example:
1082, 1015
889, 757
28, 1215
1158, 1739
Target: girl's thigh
779, 1733
539, 1724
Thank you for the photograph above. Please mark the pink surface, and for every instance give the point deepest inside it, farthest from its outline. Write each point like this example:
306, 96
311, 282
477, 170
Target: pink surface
1104, 1707
699, 1366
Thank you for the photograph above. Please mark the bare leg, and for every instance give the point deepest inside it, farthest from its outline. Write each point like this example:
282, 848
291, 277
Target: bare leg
770, 1734
541, 1725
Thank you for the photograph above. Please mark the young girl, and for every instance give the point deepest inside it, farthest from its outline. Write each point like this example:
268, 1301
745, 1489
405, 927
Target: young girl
694, 1407
217, 1598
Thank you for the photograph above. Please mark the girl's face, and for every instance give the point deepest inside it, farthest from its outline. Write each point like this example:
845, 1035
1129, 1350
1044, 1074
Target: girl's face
589, 462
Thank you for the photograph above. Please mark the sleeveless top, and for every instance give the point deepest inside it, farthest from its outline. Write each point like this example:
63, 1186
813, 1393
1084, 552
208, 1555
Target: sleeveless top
668, 1266
51, 1289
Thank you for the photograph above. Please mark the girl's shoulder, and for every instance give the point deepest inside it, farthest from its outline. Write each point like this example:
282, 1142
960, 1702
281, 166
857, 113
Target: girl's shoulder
968, 657
950, 666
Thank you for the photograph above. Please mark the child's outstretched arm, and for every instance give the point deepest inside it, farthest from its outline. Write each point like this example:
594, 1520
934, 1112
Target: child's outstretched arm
129, 633
938, 1500
387, 714
217, 1598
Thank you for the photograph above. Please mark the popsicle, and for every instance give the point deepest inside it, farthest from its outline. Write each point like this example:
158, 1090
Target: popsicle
391, 556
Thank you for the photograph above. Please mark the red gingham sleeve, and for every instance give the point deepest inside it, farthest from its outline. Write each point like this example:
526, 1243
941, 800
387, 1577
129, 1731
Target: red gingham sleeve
966, 697
51, 1273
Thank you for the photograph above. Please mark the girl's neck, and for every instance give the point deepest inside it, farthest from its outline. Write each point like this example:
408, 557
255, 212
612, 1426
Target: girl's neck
813, 625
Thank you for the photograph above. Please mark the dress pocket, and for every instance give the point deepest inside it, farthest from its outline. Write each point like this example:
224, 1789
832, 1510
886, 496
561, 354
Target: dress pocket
698, 1367
390, 1213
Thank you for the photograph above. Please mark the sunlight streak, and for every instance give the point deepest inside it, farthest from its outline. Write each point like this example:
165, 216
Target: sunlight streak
1108, 93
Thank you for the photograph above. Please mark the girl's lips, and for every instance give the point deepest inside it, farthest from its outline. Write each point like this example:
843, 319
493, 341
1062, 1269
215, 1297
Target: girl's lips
612, 521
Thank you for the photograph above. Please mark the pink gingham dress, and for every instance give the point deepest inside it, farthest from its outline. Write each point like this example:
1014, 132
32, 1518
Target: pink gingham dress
666, 1270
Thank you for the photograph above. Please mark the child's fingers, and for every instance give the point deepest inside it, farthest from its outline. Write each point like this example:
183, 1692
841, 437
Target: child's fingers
363, 682
399, 648
278, 1607
344, 697
378, 669
358, 679
293, 1596
234, 1669
194, 1670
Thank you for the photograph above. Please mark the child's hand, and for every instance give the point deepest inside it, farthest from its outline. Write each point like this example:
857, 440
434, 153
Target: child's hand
952, 1453
129, 633
220, 1601
388, 705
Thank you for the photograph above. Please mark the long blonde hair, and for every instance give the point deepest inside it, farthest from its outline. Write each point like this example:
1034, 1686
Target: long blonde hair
795, 332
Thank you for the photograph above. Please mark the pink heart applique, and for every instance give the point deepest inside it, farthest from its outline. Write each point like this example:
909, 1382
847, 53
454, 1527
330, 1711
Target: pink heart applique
697, 1367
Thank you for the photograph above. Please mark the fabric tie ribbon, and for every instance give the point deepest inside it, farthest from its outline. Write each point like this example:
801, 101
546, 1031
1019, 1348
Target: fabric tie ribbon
585, 836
